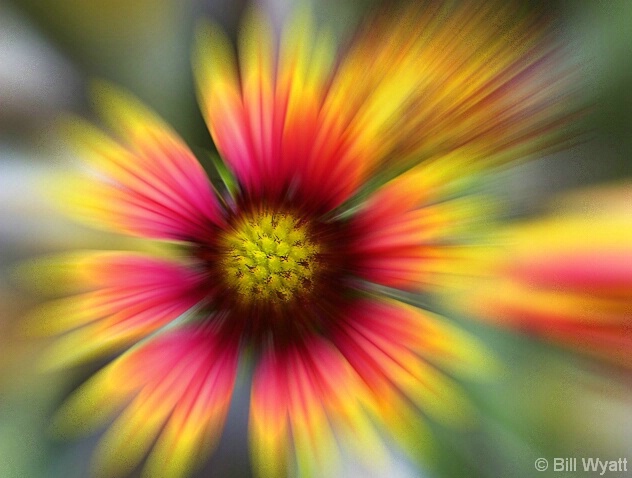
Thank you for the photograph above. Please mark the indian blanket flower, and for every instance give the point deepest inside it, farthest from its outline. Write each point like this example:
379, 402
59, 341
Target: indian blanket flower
568, 277
349, 178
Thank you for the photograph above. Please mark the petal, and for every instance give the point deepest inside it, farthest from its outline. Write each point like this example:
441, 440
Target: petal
305, 404
221, 102
414, 90
149, 184
395, 350
267, 120
174, 392
419, 231
308, 399
123, 298
318, 127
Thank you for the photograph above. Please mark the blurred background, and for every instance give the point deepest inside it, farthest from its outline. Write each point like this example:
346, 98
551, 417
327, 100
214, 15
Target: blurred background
549, 403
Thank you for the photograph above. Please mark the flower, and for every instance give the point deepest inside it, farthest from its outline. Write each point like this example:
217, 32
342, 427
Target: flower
349, 177
568, 277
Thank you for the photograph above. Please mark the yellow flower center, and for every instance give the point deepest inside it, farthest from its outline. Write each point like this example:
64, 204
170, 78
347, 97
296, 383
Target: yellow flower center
270, 256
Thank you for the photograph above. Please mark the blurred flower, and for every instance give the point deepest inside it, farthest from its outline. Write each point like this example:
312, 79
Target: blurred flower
568, 277
347, 176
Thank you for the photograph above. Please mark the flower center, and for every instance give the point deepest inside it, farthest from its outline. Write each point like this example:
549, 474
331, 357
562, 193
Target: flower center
270, 256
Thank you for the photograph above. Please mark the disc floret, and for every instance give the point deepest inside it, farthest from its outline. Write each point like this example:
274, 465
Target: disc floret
270, 256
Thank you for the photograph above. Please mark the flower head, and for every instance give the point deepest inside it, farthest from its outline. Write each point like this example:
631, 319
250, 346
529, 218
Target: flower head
350, 169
